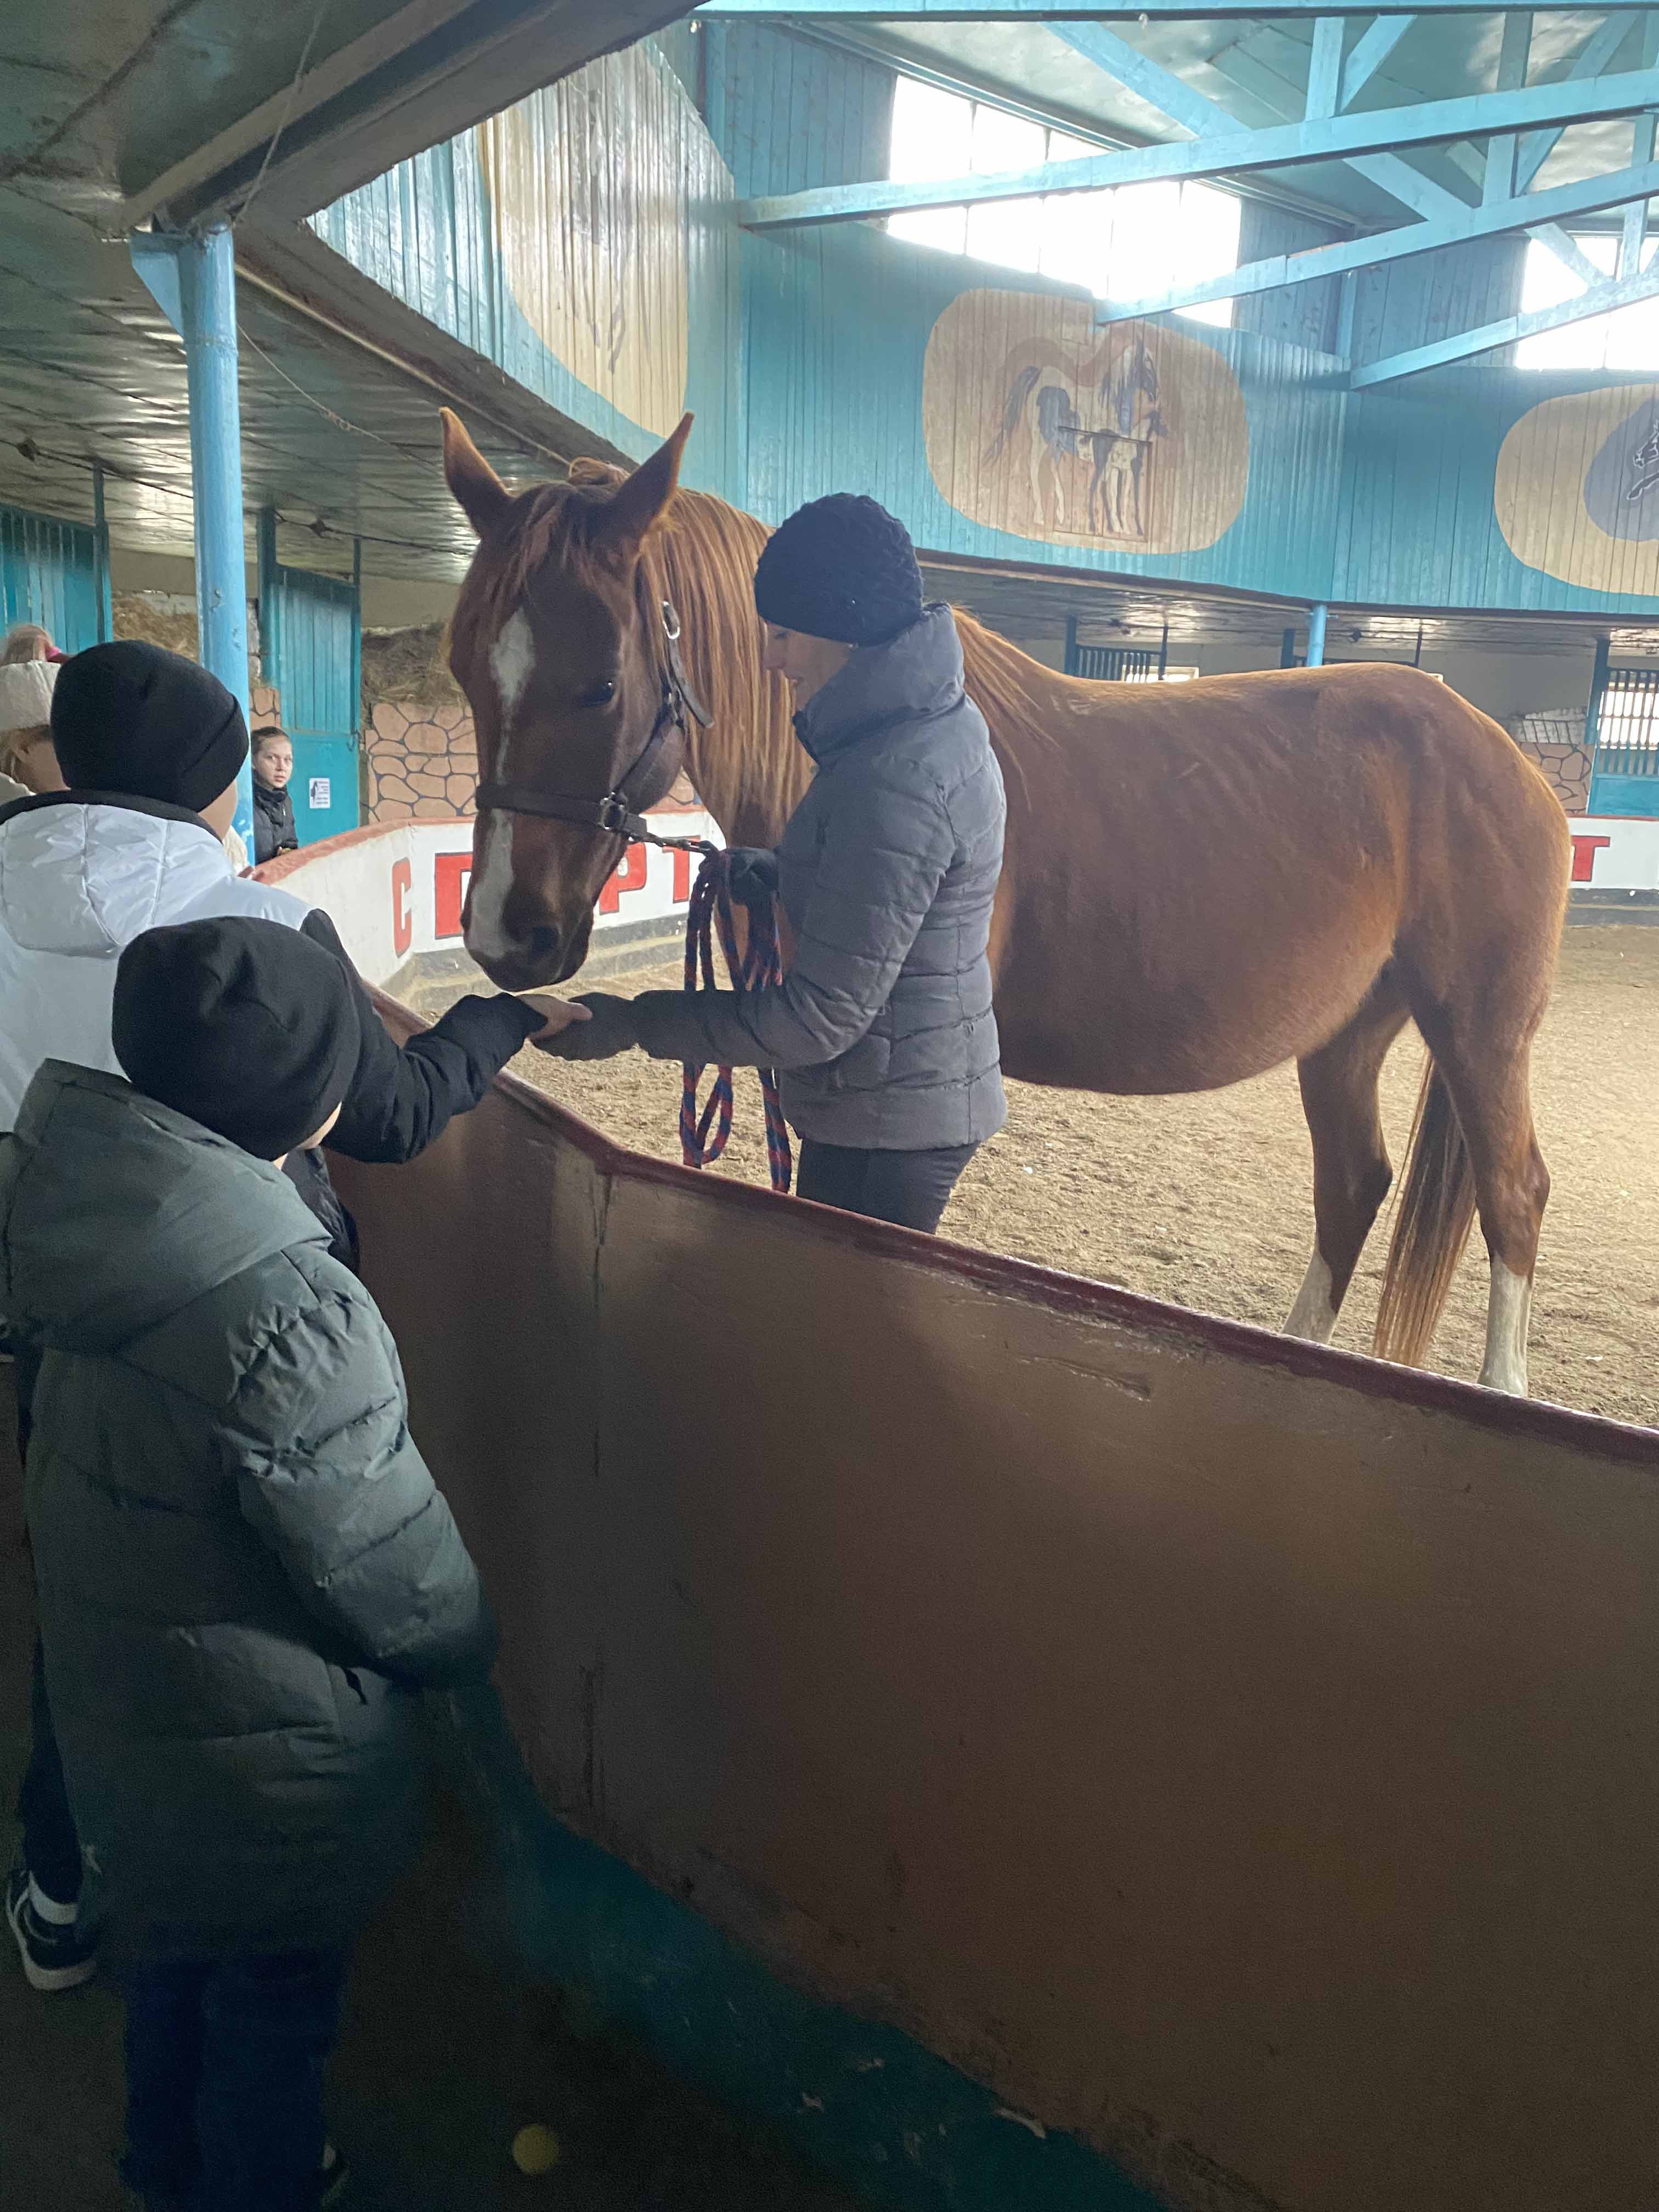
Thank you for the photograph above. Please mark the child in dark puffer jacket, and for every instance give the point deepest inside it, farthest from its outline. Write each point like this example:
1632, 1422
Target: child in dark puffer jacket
245, 1575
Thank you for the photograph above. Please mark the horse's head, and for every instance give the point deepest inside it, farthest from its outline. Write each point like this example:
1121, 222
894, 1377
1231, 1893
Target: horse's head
562, 653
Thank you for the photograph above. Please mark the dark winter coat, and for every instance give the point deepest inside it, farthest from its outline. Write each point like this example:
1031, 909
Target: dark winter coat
273, 823
244, 1573
882, 1032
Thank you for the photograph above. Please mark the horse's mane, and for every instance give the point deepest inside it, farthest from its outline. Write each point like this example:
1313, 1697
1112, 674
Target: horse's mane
747, 768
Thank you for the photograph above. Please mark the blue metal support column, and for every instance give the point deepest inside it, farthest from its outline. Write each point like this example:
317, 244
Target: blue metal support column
1593, 706
1318, 615
193, 280
270, 604
100, 557
357, 667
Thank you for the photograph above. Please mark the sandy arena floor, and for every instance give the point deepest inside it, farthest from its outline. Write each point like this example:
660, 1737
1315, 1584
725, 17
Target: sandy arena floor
1207, 1200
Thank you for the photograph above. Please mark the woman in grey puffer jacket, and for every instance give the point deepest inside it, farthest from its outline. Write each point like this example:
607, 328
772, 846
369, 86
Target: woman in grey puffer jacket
882, 1031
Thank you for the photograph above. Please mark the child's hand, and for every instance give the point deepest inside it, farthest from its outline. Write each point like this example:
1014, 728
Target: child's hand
612, 1028
558, 1014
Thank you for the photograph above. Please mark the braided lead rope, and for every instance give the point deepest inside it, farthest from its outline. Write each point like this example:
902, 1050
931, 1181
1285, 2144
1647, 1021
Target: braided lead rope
704, 1133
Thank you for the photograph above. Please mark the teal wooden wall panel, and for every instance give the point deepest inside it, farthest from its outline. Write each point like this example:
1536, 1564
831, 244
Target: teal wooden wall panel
841, 324
584, 243
1402, 304
787, 113
1301, 314
50, 574
581, 241
1501, 488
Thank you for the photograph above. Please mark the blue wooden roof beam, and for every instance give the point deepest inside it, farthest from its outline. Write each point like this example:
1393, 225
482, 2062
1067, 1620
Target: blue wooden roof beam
1337, 137
1046, 11
1599, 299
1173, 96
1595, 55
1588, 197
1497, 181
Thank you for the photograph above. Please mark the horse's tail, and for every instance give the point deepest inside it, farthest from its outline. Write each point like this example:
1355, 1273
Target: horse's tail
1019, 394
1430, 1226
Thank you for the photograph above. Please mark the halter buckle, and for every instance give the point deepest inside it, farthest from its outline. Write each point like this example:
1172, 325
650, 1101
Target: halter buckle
613, 814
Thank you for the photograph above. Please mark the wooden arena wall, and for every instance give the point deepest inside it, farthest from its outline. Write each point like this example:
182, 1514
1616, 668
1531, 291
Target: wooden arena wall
1235, 1760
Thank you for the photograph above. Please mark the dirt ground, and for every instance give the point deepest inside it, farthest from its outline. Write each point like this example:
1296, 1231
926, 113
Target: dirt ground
1207, 1201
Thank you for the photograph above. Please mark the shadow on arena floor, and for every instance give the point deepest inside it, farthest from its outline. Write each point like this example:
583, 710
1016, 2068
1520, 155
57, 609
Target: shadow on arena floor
442, 2061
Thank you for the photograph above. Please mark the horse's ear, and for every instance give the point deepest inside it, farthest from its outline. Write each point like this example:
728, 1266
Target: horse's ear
482, 496
643, 499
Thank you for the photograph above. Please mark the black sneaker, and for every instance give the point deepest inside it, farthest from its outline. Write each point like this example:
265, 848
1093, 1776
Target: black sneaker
54, 1958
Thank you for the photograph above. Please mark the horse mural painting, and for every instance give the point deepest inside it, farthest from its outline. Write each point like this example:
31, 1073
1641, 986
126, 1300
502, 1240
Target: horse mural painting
1120, 448
1200, 883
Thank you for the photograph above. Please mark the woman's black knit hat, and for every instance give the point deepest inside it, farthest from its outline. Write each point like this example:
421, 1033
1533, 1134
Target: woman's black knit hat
841, 567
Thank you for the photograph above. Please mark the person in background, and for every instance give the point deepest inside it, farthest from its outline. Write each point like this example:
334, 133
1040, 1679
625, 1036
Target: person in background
152, 744
28, 761
882, 1031
27, 641
246, 1576
273, 806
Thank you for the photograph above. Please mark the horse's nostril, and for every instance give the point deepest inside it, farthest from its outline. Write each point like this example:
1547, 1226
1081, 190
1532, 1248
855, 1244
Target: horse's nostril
542, 944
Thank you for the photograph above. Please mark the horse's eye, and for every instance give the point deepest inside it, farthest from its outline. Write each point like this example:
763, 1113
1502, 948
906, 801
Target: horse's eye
600, 696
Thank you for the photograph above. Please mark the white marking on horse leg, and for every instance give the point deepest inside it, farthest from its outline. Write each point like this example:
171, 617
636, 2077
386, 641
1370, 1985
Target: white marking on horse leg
486, 937
1508, 1313
512, 663
1314, 1314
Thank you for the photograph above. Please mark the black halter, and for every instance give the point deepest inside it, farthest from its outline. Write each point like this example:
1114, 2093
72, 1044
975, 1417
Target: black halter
617, 814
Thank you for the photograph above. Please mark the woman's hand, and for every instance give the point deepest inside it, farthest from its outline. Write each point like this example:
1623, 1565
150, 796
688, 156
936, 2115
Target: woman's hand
752, 874
599, 1027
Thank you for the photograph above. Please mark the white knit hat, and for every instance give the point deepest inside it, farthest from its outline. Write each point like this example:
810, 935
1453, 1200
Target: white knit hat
26, 689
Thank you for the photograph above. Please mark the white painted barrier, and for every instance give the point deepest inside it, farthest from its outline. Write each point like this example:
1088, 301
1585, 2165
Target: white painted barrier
396, 891
1615, 853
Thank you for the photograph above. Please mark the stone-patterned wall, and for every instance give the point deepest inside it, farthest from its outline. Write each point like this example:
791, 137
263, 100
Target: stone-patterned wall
422, 762
1567, 767
420, 758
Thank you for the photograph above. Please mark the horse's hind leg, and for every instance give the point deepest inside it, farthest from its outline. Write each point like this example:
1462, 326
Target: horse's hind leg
1352, 1172
1489, 1082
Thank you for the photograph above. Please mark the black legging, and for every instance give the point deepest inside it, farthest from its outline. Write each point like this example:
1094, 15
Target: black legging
912, 1189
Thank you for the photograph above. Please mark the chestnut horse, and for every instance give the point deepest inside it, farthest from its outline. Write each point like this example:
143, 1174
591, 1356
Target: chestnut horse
1201, 882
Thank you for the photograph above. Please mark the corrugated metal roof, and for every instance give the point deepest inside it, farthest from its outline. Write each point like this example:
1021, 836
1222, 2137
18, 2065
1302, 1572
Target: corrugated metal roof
102, 103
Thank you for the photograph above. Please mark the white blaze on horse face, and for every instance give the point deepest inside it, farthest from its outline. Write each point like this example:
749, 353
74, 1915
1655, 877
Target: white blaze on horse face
487, 937
1508, 1314
1314, 1314
512, 663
